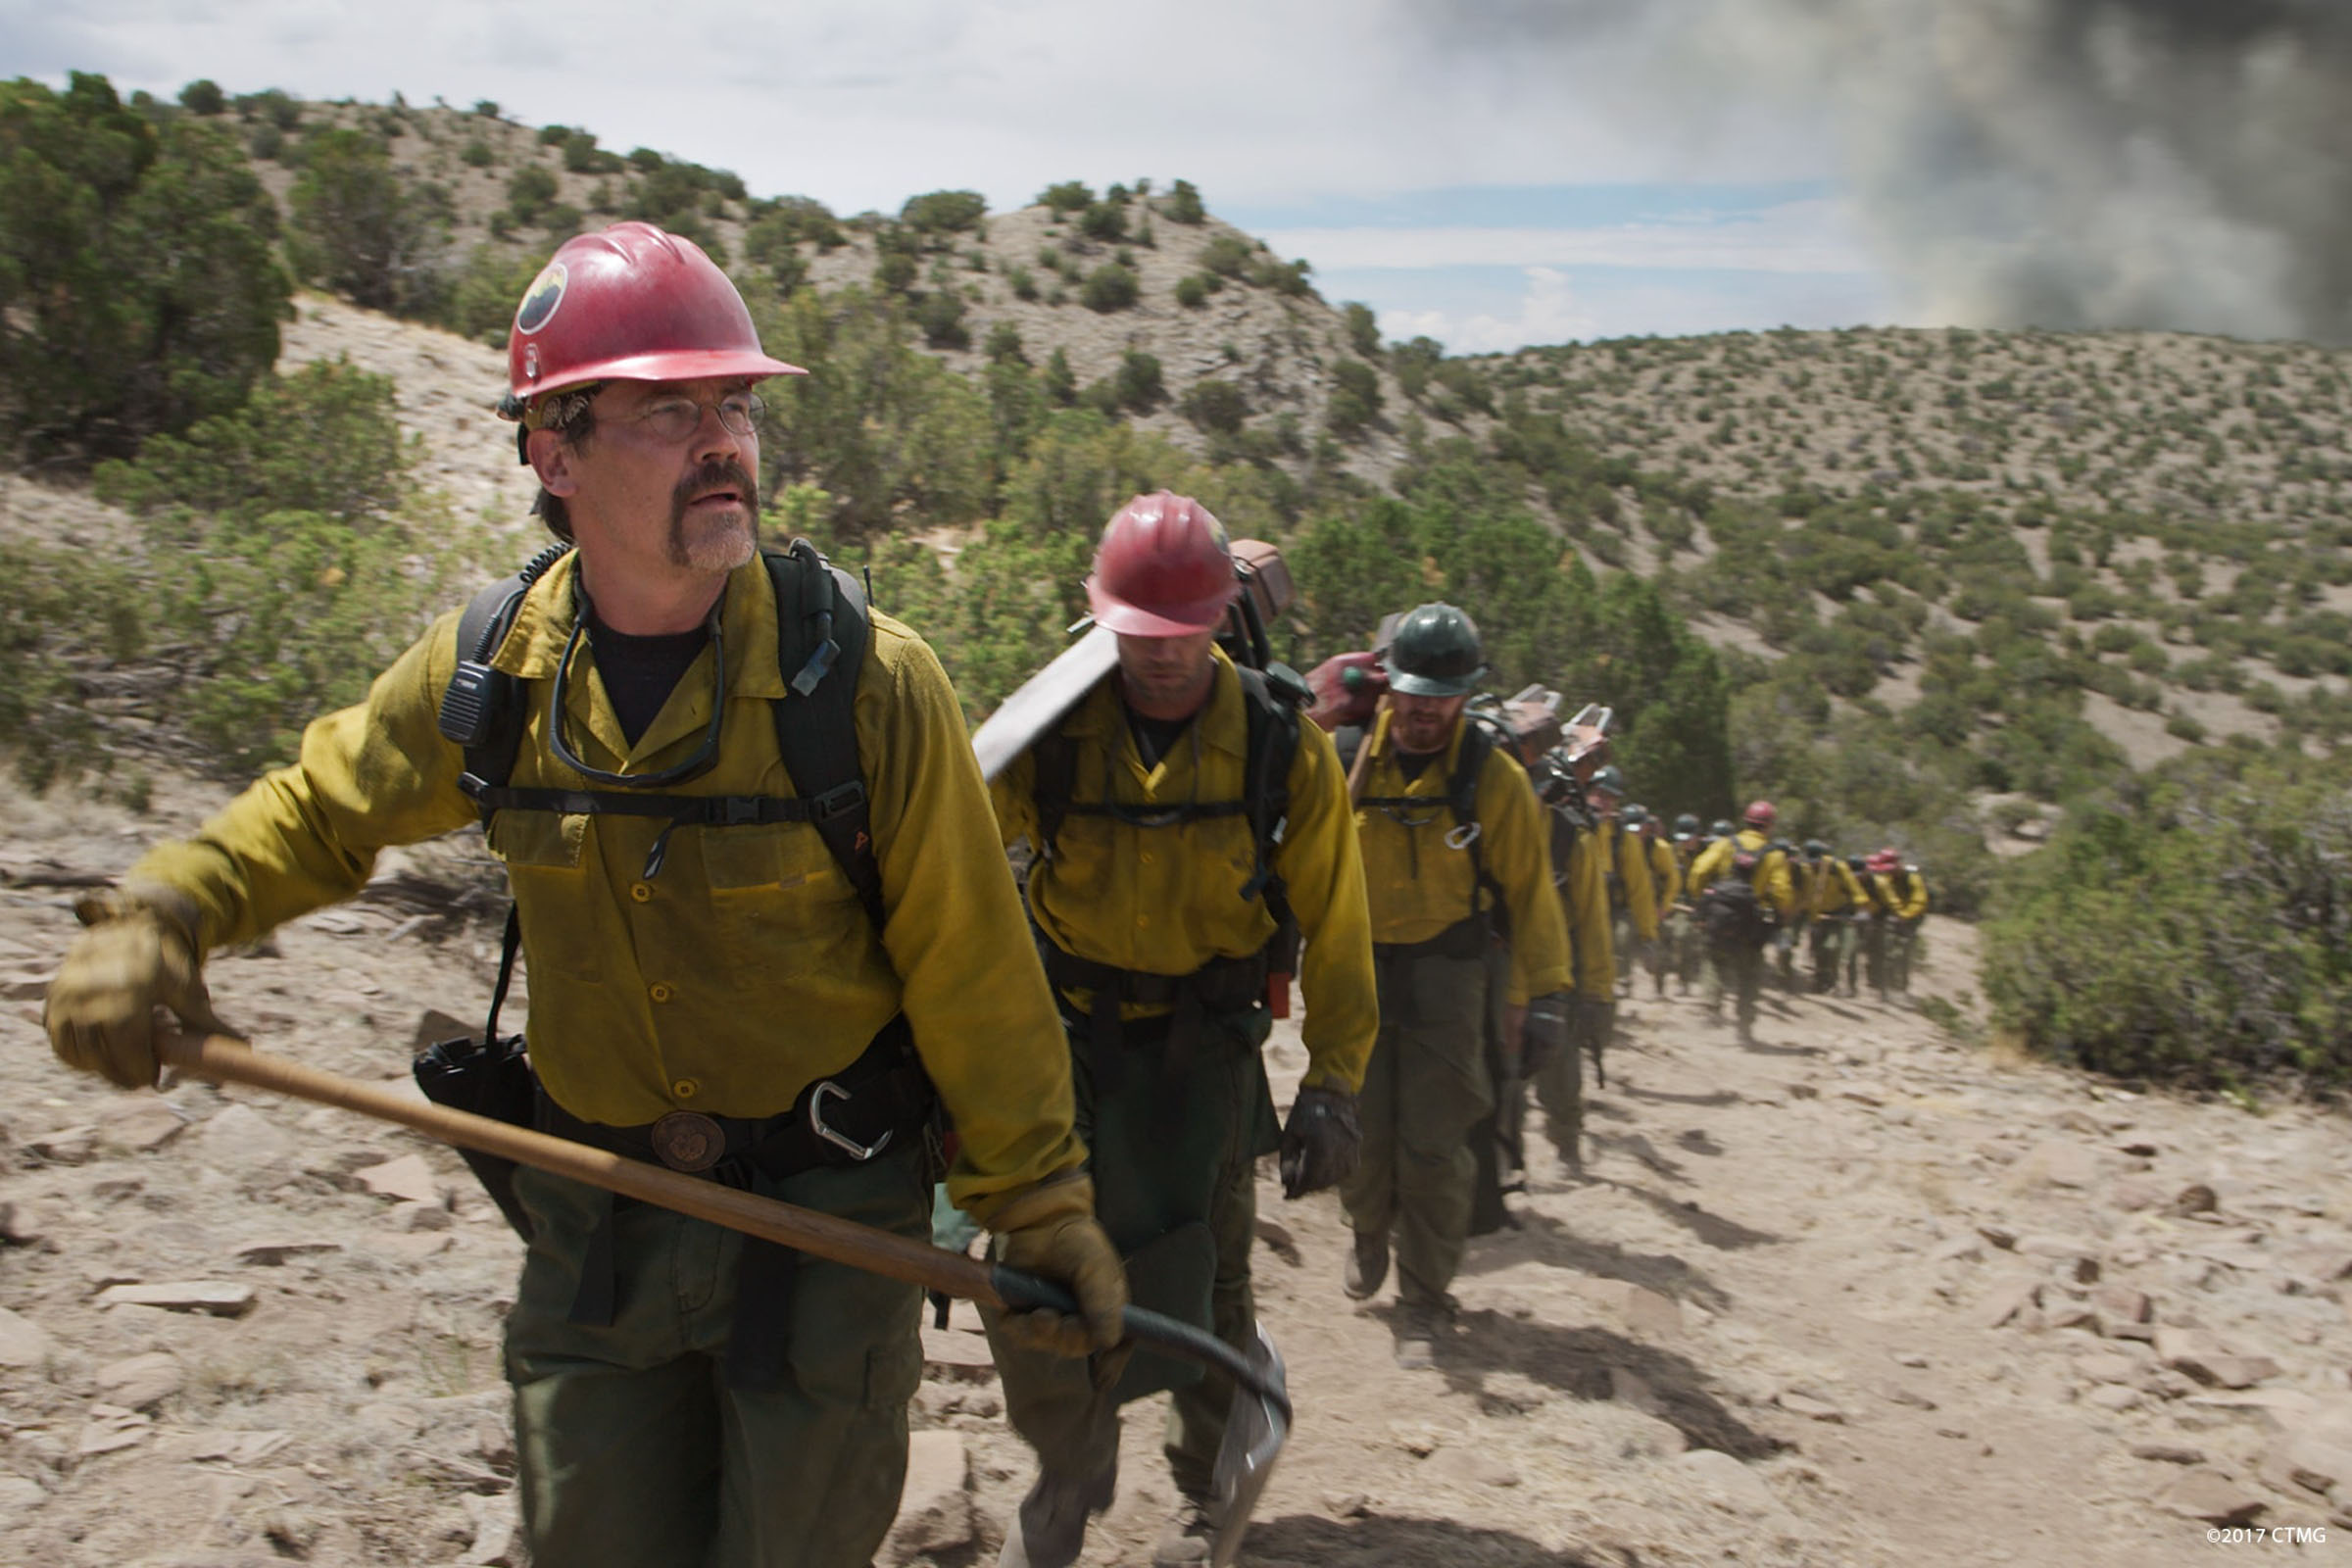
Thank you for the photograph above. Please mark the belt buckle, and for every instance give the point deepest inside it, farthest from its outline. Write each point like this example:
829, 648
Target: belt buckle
688, 1141
861, 1153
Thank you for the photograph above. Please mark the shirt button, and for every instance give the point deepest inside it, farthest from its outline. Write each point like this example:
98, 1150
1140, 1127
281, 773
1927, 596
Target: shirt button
1147, 857
660, 992
1142, 920
685, 1087
643, 892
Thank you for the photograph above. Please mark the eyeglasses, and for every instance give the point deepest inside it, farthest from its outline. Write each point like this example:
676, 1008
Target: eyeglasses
677, 419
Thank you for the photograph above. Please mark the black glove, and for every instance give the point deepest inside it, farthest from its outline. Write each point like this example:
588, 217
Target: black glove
1320, 1141
1549, 1028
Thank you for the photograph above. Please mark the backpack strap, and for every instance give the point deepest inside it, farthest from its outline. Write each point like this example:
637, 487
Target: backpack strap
822, 629
482, 708
1272, 706
1461, 795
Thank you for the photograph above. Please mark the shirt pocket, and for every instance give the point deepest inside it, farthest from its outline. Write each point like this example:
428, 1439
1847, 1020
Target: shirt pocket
543, 853
779, 901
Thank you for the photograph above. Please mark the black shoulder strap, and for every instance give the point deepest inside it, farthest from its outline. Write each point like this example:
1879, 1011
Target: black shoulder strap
1271, 706
822, 629
482, 708
1052, 783
1462, 793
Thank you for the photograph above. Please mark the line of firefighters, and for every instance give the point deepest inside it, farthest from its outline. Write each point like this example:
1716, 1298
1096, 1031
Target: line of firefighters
774, 942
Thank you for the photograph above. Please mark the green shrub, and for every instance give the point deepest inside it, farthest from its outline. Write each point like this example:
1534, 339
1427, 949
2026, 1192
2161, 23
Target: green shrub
940, 314
106, 334
1363, 330
1216, 405
1022, 283
482, 298
2196, 927
1139, 381
1070, 196
1104, 221
370, 234
1183, 204
1226, 256
944, 212
1192, 291
203, 96
554, 135
1060, 381
477, 153
1109, 287
1354, 397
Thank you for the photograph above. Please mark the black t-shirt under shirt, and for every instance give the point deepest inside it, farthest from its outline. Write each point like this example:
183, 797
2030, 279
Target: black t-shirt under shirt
1154, 736
640, 673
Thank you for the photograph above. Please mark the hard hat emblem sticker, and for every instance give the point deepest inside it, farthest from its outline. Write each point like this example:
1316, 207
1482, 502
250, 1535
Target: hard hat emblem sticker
540, 300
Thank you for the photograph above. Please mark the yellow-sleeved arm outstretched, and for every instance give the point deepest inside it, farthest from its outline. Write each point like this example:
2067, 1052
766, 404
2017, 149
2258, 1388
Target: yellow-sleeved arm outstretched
1641, 894
1516, 845
1585, 903
1323, 867
303, 835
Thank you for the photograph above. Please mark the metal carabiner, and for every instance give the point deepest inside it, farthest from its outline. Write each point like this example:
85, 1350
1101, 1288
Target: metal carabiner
848, 1146
1462, 836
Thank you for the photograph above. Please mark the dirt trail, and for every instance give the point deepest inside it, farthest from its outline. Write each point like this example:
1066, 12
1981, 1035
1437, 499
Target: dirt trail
1761, 1329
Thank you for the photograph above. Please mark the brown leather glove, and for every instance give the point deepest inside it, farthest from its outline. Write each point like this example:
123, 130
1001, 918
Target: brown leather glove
1049, 1229
139, 953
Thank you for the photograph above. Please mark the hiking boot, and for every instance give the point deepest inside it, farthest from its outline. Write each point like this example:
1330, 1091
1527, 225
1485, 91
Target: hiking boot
1367, 1266
1049, 1528
1191, 1537
1419, 1327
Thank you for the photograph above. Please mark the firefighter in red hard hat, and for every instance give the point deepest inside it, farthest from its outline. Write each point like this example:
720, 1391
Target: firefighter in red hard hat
712, 984
1898, 902
1189, 830
1741, 889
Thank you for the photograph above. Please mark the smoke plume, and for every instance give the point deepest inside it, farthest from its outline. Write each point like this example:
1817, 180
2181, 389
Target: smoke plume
2179, 164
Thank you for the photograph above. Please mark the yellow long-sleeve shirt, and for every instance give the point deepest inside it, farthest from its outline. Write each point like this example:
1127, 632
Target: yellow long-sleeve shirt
1907, 902
1420, 884
746, 968
1772, 881
1168, 899
1583, 887
1832, 889
1622, 856
1665, 874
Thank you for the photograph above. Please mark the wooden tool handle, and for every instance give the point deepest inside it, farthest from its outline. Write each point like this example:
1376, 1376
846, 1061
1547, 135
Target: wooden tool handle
221, 1059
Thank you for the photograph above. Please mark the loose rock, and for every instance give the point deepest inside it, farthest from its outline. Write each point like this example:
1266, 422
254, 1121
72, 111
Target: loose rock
140, 1382
22, 1342
408, 1178
2209, 1496
187, 1295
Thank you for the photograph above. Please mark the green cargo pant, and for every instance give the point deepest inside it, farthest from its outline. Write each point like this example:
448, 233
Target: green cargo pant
1737, 968
1874, 967
1426, 1087
1173, 1148
1830, 937
634, 1450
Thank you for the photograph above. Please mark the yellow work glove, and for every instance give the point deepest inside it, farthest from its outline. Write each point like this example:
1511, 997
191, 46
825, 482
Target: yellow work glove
139, 953
1050, 1230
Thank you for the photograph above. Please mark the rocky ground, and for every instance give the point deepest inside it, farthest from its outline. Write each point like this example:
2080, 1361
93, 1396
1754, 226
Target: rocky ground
1861, 1294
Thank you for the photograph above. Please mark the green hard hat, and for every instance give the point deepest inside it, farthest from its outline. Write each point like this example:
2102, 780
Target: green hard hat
1815, 849
1635, 814
1436, 654
1610, 782
1722, 828
1685, 826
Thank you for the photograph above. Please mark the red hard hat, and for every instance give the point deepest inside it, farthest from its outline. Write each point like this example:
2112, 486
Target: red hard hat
1886, 861
1163, 568
1760, 814
633, 303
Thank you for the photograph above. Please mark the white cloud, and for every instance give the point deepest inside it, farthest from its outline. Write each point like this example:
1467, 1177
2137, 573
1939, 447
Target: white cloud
1547, 313
863, 104
1809, 236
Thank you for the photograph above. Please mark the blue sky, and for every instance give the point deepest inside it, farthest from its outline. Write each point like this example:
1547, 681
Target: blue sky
1465, 188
